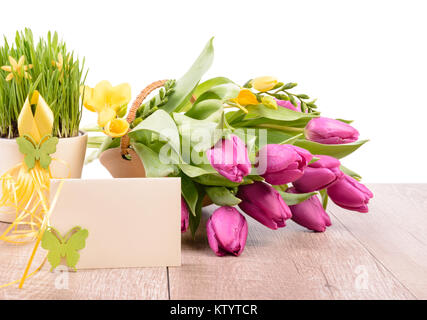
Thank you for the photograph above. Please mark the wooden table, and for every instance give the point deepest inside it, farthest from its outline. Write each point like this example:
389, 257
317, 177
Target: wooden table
380, 255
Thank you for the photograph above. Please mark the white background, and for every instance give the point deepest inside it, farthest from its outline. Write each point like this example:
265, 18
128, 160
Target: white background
363, 60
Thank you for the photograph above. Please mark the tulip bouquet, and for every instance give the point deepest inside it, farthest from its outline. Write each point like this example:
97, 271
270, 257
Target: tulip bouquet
258, 147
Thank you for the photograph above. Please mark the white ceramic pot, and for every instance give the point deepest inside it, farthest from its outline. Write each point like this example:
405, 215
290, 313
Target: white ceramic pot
70, 153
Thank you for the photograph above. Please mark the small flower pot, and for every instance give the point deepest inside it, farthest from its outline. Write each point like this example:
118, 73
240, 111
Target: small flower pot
68, 161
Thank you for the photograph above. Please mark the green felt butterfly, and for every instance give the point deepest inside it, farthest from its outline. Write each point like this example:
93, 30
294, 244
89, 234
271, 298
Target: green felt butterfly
68, 246
40, 151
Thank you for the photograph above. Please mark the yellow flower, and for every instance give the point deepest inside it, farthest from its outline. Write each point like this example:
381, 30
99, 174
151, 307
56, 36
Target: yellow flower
87, 92
60, 63
246, 97
17, 67
106, 100
264, 84
116, 128
269, 102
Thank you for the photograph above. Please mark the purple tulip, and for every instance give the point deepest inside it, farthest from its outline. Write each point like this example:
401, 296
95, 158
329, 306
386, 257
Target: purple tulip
184, 215
230, 158
281, 164
263, 203
227, 231
319, 175
310, 213
350, 194
288, 105
330, 131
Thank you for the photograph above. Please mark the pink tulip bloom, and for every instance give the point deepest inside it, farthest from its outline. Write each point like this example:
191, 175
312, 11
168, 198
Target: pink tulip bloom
350, 194
310, 214
319, 175
281, 164
229, 157
184, 215
227, 231
263, 203
330, 131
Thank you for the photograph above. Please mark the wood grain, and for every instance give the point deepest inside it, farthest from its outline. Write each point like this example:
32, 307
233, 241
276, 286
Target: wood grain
395, 231
380, 255
289, 263
135, 283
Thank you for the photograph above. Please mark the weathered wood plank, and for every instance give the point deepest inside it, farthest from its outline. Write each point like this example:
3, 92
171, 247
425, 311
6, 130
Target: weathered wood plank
290, 263
395, 231
135, 283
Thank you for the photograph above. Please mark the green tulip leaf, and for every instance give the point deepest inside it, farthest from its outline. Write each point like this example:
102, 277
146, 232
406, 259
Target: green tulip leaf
293, 198
196, 171
222, 196
186, 85
190, 193
218, 180
161, 123
199, 134
350, 172
334, 150
205, 109
201, 88
194, 220
325, 198
281, 114
152, 164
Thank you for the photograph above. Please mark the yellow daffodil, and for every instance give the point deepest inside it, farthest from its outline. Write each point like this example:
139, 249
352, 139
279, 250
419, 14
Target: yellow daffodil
264, 84
246, 97
17, 67
116, 128
106, 100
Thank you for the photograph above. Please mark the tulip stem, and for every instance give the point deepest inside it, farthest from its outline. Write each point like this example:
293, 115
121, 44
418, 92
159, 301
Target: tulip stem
281, 128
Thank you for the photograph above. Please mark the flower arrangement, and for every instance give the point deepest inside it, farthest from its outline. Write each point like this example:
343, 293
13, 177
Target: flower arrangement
45, 66
40, 84
259, 147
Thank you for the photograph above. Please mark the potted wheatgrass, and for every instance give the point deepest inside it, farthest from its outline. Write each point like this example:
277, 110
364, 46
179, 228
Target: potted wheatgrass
41, 69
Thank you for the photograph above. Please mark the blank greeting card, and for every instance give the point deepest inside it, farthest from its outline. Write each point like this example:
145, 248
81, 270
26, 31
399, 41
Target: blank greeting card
130, 222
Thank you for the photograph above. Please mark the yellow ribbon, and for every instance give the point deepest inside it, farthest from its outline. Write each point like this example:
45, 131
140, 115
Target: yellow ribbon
27, 191
38, 125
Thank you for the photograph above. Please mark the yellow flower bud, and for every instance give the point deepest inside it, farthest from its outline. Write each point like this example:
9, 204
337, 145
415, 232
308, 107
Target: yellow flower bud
269, 102
246, 97
264, 84
116, 128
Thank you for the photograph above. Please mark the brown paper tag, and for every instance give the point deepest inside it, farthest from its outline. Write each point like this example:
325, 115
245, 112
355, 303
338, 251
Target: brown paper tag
122, 168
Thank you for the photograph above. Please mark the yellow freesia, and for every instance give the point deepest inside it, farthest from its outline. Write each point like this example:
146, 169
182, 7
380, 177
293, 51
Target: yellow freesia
116, 128
106, 100
17, 67
38, 125
246, 97
87, 92
107, 96
264, 84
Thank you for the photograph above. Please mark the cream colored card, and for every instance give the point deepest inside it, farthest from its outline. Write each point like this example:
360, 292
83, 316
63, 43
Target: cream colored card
131, 222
